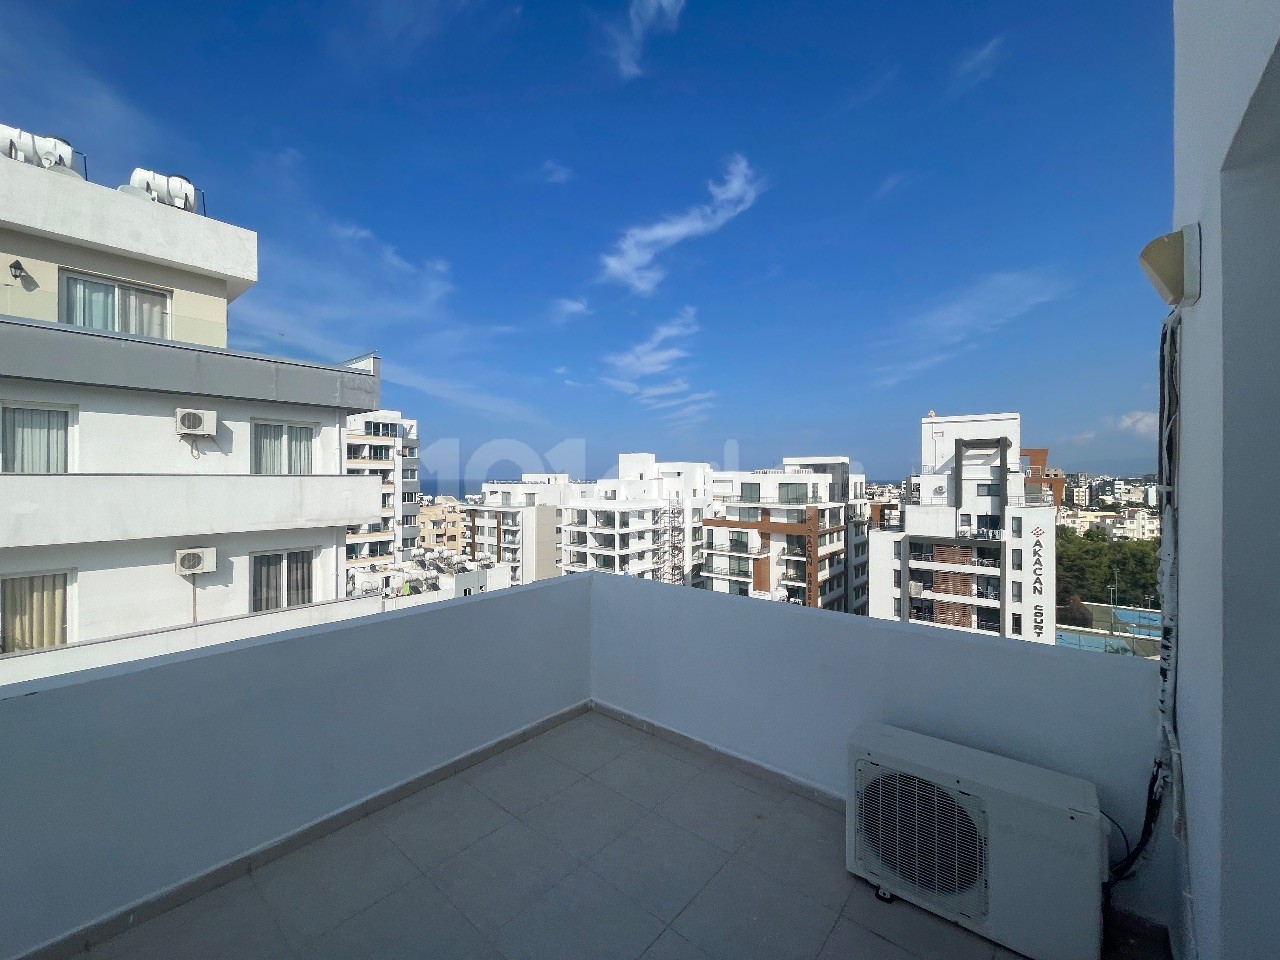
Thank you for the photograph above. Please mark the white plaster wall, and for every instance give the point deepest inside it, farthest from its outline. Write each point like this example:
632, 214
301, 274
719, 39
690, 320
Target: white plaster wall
131, 586
880, 567
169, 767
1227, 669
786, 687
132, 431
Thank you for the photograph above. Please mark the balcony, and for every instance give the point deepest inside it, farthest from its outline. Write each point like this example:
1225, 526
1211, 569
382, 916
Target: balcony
739, 548
70, 508
925, 556
609, 776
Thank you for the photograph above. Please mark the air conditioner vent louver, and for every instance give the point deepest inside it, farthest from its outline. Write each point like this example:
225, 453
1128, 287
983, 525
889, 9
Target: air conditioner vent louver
923, 834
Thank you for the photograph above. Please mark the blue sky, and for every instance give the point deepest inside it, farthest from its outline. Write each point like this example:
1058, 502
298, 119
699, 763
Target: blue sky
664, 225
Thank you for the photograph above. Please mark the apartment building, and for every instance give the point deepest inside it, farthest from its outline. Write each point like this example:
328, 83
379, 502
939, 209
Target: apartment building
150, 477
440, 524
514, 528
785, 534
1129, 523
384, 444
646, 522
972, 543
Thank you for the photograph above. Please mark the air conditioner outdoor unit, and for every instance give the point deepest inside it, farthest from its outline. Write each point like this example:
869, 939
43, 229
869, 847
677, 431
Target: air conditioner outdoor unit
196, 560
1016, 853
196, 423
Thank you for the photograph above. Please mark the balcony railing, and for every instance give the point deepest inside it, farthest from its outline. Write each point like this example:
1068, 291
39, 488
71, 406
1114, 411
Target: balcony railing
774, 502
922, 556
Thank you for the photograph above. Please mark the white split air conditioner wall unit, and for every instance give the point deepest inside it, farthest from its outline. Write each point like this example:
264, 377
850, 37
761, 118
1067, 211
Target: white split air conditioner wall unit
1016, 853
196, 560
195, 423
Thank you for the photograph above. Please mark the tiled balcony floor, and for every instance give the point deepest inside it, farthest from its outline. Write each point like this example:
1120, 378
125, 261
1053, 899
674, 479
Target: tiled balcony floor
591, 840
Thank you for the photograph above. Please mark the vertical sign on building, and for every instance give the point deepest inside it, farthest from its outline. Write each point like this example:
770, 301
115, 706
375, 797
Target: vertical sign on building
1037, 580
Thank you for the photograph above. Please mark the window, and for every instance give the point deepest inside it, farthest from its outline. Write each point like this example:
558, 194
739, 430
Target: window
530, 499
739, 566
897, 549
1016, 591
407, 474
1016, 628
1016, 524
33, 441
407, 543
279, 448
738, 589
897, 578
897, 606
33, 612
988, 489
750, 492
99, 304
408, 497
791, 492
1016, 557
966, 520
281, 580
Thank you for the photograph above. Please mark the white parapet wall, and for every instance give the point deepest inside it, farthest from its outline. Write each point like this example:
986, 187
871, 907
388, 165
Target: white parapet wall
167, 768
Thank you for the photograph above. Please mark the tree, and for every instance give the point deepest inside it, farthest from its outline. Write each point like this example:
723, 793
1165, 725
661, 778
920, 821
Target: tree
1089, 565
1074, 614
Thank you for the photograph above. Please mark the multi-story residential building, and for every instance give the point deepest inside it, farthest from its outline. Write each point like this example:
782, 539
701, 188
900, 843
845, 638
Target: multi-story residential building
1080, 496
1042, 477
647, 522
514, 527
852, 489
384, 444
440, 524
973, 543
149, 477
1128, 523
780, 534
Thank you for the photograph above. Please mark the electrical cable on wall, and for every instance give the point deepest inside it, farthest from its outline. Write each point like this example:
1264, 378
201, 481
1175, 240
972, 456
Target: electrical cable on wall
1167, 770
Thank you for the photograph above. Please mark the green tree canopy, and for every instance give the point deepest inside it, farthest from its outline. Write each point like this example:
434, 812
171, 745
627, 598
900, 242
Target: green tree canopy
1089, 565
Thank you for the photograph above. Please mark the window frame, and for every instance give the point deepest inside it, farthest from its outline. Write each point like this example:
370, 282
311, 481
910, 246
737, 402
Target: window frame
283, 553
71, 630
73, 429
315, 427
65, 273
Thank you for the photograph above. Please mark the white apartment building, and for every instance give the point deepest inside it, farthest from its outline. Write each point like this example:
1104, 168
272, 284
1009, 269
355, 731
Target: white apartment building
973, 543
149, 477
384, 444
1129, 523
851, 489
778, 534
646, 523
514, 527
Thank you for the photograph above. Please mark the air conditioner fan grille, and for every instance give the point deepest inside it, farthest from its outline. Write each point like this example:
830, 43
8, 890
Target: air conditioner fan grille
924, 835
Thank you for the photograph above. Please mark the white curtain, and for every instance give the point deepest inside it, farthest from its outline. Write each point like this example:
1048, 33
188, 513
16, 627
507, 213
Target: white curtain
33, 612
33, 441
267, 585
267, 454
300, 450
143, 312
299, 577
89, 303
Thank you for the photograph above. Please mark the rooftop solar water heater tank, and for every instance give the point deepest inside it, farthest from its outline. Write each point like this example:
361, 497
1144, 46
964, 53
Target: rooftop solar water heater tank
1013, 852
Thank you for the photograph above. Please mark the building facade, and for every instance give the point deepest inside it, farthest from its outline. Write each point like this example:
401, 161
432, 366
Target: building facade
149, 477
514, 527
972, 543
440, 524
780, 535
384, 444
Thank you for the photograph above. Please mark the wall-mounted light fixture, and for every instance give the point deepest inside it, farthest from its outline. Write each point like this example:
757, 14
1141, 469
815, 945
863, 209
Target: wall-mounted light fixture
17, 270
1172, 264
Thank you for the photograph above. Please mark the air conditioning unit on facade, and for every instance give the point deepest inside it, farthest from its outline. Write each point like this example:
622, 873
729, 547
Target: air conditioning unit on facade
915, 589
196, 423
1016, 853
196, 560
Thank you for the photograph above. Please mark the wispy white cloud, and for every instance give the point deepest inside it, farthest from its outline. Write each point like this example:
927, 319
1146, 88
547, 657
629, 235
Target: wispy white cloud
631, 262
1084, 436
891, 183
1140, 423
977, 65
631, 371
371, 33
869, 90
958, 322
553, 171
564, 309
627, 38
656, 354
